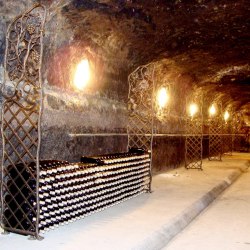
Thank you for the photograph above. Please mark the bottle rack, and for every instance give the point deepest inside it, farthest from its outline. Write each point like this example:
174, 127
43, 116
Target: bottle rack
39, 195
71, 191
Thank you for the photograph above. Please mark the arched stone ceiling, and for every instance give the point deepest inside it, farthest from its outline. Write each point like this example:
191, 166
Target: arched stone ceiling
204, 41
207, 39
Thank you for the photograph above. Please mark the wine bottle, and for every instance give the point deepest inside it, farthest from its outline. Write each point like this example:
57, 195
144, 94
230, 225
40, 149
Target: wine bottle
9, 219
11, 202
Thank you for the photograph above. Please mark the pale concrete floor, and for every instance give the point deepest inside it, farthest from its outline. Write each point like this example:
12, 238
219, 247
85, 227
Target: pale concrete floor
224, 225
147, 221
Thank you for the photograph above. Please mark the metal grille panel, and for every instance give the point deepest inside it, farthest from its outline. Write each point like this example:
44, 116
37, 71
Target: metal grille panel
21, 114
240, 137
140, 108
215, 142
193, 144
227, 139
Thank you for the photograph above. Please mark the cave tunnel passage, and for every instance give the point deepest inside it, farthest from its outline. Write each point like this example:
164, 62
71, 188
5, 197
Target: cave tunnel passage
201, 49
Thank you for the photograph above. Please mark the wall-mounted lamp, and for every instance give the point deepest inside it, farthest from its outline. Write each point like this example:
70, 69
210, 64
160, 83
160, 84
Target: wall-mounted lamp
82, 74
162, 97
193, 109
212, 110
226, 116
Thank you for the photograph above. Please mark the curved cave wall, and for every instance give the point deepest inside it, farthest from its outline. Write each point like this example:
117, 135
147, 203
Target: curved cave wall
92, 121
198, 47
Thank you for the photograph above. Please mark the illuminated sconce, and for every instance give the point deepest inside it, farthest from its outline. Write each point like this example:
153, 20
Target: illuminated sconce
226, 116
193, 109
212, 110
162, 97
82, 74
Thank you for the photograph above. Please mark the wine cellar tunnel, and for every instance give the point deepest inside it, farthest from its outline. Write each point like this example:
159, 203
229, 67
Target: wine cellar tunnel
193, 55
197, 50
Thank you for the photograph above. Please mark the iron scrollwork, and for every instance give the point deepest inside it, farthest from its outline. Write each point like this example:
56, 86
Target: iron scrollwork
23, 59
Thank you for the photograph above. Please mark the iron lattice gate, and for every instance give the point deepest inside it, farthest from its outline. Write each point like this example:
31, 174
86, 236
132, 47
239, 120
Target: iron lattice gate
240, 137
227, 139
21, 115
141, 109
193, 143
215, 143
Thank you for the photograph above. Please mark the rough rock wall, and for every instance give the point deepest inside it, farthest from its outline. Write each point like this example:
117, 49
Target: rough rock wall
93, 121
76, 124
118, 36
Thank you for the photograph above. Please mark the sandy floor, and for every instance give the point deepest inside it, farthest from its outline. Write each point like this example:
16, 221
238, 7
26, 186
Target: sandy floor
224, 225
143, 222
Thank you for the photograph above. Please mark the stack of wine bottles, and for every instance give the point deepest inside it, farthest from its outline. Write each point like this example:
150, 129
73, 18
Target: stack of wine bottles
70, 191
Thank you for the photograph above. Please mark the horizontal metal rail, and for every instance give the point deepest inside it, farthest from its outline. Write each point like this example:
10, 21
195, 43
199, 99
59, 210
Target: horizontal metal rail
155, 135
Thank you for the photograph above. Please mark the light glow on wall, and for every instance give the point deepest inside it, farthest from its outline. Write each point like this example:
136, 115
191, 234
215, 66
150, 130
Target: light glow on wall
162, 97
193, 109
82, 74
226, 115
212, 110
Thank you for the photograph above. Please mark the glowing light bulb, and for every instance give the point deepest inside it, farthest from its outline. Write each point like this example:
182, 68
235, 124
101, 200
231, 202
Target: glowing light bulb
193, 109
212, 110
162, 97
226, 116
82, 74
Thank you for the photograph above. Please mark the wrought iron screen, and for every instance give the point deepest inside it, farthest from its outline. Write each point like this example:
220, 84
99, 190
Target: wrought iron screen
193, 143
21, 115
227, 139
239, 135
194, 131
141, 109
215, 142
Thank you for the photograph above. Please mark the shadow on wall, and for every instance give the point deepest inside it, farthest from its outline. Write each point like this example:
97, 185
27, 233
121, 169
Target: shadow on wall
58, 144
168, 152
